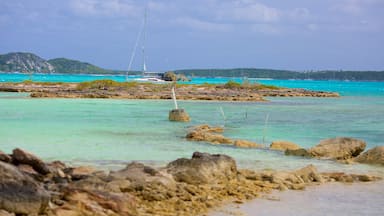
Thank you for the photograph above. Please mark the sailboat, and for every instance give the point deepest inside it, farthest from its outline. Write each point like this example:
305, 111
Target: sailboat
155, 77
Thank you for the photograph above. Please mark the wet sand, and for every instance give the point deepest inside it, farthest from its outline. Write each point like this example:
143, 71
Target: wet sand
327, 199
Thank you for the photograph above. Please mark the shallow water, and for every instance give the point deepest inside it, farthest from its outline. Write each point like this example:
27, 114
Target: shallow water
109, 133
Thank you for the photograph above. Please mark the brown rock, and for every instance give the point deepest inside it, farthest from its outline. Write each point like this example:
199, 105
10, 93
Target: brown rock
4, 157
141, 176
201, 135
98, 203
5, 213
372, 156
22, 157
298, 152
203, 168
284, 145
309, 174
179, 115
81, 172
340, 148
208, 128
19, 193
247, 144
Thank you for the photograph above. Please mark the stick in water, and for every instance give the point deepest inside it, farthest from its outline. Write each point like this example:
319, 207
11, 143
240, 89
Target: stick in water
265, 127
222, 113
174, 98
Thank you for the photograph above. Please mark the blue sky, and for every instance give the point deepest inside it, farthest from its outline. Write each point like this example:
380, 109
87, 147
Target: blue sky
280, 34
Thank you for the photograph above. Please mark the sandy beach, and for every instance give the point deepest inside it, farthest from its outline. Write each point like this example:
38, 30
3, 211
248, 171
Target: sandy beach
329, 199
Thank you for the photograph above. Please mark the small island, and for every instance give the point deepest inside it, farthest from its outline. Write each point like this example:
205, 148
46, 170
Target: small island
231, 91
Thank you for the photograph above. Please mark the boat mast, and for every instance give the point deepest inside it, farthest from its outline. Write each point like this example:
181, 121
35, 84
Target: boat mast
144, 40
135, 47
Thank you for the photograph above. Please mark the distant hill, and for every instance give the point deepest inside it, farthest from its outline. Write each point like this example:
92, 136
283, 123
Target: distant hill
24, 62
31, 63
63, 65
286, 74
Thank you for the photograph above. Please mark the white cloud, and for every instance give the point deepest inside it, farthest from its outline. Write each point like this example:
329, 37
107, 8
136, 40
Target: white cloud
356, 7
313, 27
105, 8
202, 25
268, 29
299, 13
248, 11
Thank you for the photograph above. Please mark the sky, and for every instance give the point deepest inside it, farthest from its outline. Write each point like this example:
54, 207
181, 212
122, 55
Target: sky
184, 34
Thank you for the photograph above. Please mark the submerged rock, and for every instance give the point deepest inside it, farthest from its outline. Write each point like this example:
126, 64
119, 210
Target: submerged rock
283, 145
213, 135
208, 134
372, 156
247, 144
203, 168
340, 148
298, 152
19, 193
179, 115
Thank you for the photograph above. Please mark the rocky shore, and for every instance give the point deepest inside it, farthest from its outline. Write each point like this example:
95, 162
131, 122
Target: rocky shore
30, 186
340, 149
133, 90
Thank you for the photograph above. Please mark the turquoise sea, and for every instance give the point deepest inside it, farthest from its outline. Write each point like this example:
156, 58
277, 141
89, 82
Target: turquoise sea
111, 132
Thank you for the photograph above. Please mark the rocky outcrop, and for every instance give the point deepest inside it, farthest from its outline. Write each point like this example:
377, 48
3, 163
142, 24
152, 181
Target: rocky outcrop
372, 156
22, 157
132, 90
179, 115
340, 148
213, 135
203, 168
98, 203
284, 145
19, 193
5, 157
24, 62
184, 187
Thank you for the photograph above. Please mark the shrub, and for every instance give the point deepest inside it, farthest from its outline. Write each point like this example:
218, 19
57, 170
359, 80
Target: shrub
232, 84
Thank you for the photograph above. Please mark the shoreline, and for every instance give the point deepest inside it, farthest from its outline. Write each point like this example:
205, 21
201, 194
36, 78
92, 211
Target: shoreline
133, 90
352, 199
184, 186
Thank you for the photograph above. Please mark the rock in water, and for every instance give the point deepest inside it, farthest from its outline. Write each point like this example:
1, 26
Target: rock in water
19, 193
203, 168
372, 156
284, 145
340, 148
22, 157
247, 144
179, 115
298, 152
